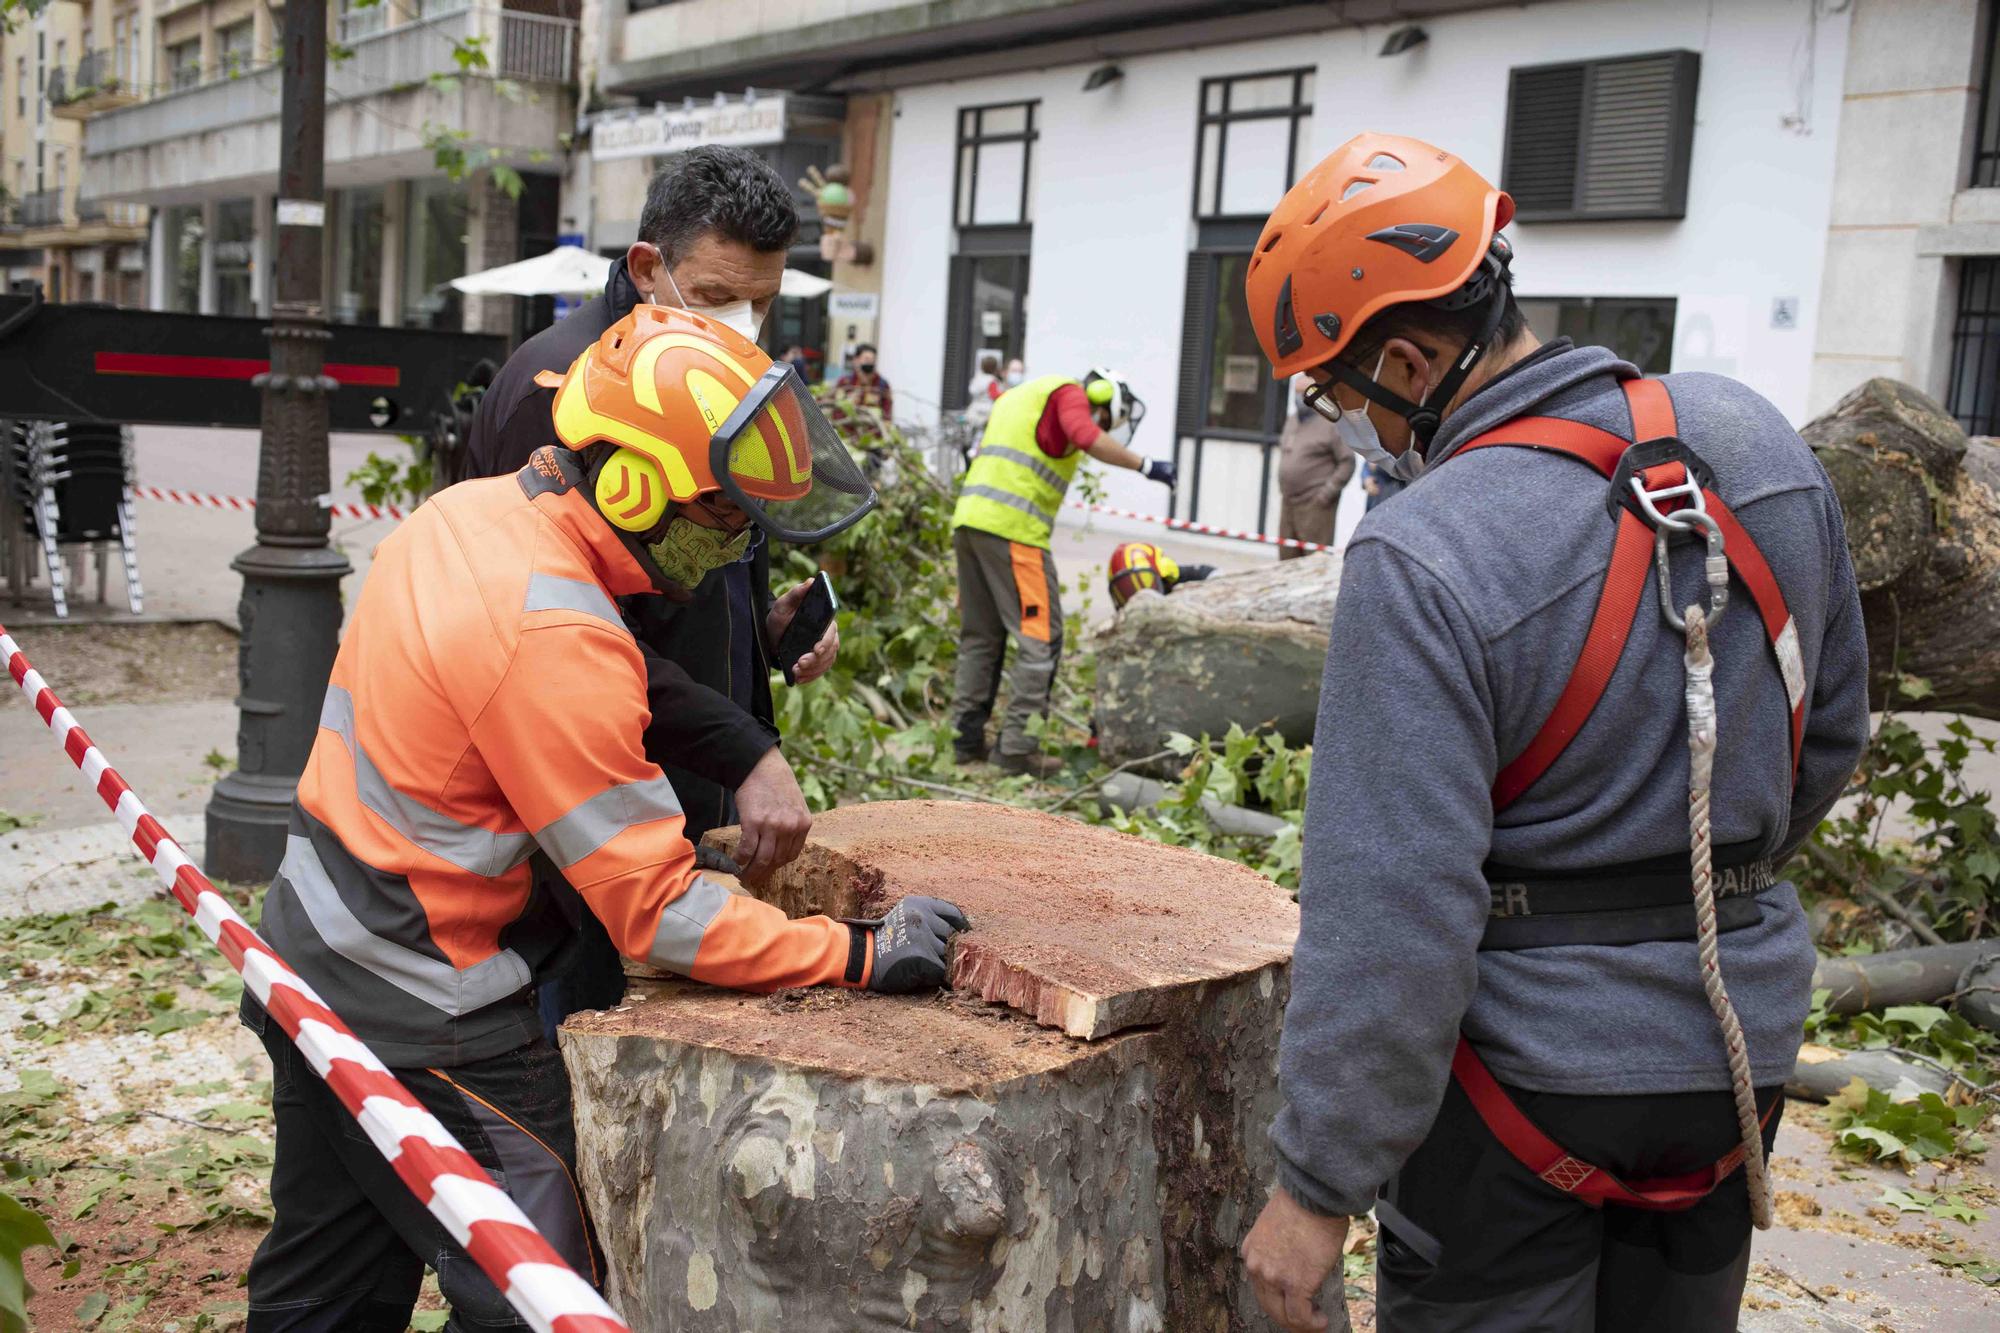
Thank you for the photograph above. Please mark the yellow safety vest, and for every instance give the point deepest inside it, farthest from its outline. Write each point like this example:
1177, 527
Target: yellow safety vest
1013, 489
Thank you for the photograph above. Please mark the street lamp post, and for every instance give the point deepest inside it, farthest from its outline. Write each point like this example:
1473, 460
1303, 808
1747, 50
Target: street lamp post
290, 612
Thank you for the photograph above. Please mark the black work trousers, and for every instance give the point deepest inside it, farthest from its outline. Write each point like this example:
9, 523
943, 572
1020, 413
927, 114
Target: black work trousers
1471, 1240
349, 1243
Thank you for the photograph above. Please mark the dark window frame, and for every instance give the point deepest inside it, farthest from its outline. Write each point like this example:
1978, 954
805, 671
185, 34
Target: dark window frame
1975, 333
1300, 109
979, 139
1985, 173
1673, 208
1530, 304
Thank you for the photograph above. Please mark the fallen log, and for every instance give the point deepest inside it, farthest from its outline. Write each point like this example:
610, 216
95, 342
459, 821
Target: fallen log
1978, 992
1821, 1072
1923, 530
827, 1161
1922, 506
1900, 976
1128, 791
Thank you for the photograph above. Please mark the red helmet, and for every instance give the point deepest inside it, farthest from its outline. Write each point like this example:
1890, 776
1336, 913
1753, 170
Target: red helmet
1139, 565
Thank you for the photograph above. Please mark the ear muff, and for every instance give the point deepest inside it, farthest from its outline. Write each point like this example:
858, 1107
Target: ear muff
631, 491
1100, 392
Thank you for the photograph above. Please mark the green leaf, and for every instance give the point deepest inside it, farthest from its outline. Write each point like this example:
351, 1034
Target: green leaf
429, 1321
1922, 1017
92, 1308
1907, 1201
21, 1230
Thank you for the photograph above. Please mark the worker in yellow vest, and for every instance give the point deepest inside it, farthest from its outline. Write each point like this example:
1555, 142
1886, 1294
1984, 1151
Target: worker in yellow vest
1007, 587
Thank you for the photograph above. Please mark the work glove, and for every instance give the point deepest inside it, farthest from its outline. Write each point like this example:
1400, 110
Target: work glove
1161, 470
912, 944
1195, 573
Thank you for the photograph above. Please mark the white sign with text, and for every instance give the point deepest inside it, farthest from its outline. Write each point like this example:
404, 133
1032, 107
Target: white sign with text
673, 130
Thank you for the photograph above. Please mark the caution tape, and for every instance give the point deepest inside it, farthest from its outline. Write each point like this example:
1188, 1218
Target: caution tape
1206, 529
203, 500
445, 1178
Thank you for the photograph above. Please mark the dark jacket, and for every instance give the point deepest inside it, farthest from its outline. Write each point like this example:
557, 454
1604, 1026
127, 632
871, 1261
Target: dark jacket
713, 725
1462, 608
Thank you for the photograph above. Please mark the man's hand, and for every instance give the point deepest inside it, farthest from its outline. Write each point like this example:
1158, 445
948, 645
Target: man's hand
912, 944
1289, 1255
1161, 470
815, 663
772, 811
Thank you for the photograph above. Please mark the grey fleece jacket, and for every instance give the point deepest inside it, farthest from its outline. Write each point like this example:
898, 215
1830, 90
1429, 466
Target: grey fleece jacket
1462, 607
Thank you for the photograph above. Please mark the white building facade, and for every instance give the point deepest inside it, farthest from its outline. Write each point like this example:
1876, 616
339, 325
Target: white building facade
1111, 226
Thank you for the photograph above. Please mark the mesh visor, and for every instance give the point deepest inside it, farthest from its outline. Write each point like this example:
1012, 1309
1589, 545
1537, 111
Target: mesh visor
781, 461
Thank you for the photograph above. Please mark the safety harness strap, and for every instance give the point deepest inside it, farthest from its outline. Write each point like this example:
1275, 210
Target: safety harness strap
1582, 1181
1625, 580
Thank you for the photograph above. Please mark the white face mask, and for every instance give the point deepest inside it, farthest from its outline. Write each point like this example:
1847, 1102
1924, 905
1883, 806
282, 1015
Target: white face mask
738, 315
1359, 432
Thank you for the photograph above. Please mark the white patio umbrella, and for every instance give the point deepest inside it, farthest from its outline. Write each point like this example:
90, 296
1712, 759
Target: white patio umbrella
567, 270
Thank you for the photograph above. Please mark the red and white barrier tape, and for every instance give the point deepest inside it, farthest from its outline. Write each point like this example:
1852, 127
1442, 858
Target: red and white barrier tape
1186, 525
445, 1178
203, 500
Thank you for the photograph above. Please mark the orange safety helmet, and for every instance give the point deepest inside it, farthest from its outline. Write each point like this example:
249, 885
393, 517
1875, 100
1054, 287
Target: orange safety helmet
696, 408
1139, 565
1381, 221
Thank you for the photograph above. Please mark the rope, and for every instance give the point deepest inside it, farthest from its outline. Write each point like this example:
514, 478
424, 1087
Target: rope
1701, 771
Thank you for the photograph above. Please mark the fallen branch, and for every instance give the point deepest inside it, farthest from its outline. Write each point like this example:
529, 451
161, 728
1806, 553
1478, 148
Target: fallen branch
1103, 778
1918, 926
964, 794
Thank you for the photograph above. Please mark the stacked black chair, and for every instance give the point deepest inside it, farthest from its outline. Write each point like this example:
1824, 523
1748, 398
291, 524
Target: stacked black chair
69, 484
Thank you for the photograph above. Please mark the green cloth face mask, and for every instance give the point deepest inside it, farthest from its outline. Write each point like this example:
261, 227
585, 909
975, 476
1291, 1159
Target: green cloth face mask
687, 551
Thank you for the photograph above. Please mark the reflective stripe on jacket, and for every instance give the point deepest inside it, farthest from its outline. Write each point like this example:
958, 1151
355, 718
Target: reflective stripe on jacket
487, 704
1013, 489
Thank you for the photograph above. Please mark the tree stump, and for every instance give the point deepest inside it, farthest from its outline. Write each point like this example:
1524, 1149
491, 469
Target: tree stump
1247, 648
827, 1161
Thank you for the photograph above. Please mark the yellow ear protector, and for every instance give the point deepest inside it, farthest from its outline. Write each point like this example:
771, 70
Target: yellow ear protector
1100, 390
631, 491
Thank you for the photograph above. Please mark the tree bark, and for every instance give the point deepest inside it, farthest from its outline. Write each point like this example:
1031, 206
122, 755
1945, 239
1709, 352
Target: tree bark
828, 1161
1923, 529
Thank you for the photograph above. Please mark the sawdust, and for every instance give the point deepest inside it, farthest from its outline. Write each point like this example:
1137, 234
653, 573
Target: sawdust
152, 663
1055, 905
1794, 1208
946, 1041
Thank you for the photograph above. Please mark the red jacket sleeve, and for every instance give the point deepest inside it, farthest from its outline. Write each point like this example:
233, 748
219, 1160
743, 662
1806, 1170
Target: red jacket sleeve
1075, 427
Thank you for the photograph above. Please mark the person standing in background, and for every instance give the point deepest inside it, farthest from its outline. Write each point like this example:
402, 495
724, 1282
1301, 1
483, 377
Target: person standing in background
863, 385
1314, 465
1016, 372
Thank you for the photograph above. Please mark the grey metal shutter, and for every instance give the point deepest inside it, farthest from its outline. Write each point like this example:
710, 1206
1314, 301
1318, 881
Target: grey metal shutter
957, 324
1601, 140
1544, 124
1638, 135
1197, 323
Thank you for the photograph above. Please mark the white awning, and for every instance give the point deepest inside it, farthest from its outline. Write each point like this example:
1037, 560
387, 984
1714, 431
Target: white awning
567, 270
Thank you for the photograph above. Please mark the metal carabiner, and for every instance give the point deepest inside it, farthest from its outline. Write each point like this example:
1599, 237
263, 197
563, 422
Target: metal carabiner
1717, 565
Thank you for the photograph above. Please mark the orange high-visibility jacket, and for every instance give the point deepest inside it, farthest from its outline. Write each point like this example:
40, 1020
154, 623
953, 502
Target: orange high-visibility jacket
488, 703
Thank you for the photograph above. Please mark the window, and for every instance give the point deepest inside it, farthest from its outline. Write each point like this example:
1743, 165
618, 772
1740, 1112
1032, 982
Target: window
995, 186
233, 252
1601, 139
20, 85
1639, 329
235, 48
1247, 150
434, 253
357, 256
182, 231
62, 177
1974, 392
361, 20
184, 64
62, 55
1986, 151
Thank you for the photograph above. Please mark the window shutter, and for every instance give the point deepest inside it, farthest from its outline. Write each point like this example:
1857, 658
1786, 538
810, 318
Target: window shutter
1601, 140
1640, 130
1197, 319
1544, 121
957, 324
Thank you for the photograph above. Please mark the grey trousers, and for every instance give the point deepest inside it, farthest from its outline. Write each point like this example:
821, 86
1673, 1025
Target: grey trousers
1005, 590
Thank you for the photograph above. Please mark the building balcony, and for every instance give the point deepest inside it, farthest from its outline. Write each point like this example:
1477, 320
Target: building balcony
386, 105
98, 83
43, 208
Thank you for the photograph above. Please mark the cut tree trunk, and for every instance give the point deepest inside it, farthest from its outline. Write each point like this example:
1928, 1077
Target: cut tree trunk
1247, 648
1923, 528
830, 1160
1922, 505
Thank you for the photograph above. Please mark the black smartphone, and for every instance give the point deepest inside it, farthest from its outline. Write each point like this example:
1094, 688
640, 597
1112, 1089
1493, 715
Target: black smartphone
815, 613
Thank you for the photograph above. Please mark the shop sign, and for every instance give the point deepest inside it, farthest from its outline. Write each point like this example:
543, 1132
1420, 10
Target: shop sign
673, 130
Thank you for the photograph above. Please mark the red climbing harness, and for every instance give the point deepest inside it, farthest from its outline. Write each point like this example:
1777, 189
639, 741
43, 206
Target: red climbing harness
1659, 486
